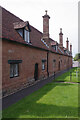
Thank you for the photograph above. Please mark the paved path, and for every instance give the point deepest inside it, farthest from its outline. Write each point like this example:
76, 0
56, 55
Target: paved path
11, 99
67, 82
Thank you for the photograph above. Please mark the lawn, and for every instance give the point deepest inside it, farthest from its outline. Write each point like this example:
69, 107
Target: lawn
54, 100
73, 75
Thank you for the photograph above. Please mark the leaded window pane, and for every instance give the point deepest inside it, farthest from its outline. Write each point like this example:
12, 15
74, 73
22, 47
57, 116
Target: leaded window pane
15, 70
11, 70
43, 65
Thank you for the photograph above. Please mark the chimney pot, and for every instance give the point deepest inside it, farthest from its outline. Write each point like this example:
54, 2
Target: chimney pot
61, 38
60, 30
70, 47
46, 11
67, 39
67, 44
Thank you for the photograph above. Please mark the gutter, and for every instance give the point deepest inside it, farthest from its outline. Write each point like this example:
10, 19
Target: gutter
33, 46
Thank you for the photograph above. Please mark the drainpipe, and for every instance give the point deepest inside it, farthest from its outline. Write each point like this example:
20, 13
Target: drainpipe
47, 63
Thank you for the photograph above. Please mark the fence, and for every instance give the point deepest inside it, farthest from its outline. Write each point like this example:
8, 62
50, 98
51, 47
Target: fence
75, 76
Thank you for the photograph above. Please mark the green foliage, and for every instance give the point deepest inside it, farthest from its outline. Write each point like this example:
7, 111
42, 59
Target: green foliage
77, 57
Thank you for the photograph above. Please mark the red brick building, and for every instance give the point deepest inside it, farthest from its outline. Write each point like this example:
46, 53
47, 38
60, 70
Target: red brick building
29, 55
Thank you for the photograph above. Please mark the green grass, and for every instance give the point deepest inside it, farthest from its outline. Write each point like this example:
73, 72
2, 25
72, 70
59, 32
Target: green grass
54, 100
66, 76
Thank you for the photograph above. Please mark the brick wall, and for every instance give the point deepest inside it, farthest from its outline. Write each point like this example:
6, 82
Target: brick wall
29, 56
64, 61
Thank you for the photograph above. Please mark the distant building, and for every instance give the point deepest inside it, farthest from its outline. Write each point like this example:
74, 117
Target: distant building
75, 63
28, 54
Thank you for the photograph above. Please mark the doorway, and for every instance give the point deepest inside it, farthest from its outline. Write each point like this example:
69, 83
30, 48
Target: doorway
36, 72
59, 66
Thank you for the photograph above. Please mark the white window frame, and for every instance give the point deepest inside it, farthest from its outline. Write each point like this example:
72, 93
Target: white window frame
26, 36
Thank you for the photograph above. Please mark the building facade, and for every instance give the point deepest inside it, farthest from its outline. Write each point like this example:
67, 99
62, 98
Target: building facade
29, 55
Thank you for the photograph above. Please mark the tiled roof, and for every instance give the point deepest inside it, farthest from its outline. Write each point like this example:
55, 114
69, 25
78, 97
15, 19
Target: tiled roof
65, 48
10, 22
18, 25
53, 43
8, 30
35, 37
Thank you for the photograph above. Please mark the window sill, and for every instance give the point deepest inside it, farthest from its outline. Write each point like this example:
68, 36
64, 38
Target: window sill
43, 69
14, 76
29, 43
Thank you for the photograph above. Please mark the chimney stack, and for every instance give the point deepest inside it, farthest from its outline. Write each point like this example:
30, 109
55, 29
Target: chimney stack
46, 26
71, 48
67, 44
61, 38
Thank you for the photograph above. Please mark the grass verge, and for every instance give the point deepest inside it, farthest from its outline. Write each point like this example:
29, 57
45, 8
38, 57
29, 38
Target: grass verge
54, 100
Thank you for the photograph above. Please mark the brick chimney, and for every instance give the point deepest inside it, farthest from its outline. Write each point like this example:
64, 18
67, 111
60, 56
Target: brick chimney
61, 38
71, 48
67, 44
46, 26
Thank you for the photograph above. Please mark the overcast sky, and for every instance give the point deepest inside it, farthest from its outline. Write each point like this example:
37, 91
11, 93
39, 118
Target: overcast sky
63, 14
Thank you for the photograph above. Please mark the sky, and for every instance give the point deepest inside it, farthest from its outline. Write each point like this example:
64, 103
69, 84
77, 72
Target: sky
63, 14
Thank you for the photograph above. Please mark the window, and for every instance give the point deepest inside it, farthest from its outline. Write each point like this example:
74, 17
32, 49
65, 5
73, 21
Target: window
26, 36
20, 31
14, 67
14, 70
54, 63
54, 47
65, 62
43, 65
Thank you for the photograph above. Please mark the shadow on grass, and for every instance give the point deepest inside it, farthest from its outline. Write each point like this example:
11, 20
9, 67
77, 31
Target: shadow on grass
30, 108
51, 111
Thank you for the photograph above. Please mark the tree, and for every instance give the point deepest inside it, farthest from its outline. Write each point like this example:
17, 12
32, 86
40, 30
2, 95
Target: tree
77, 57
